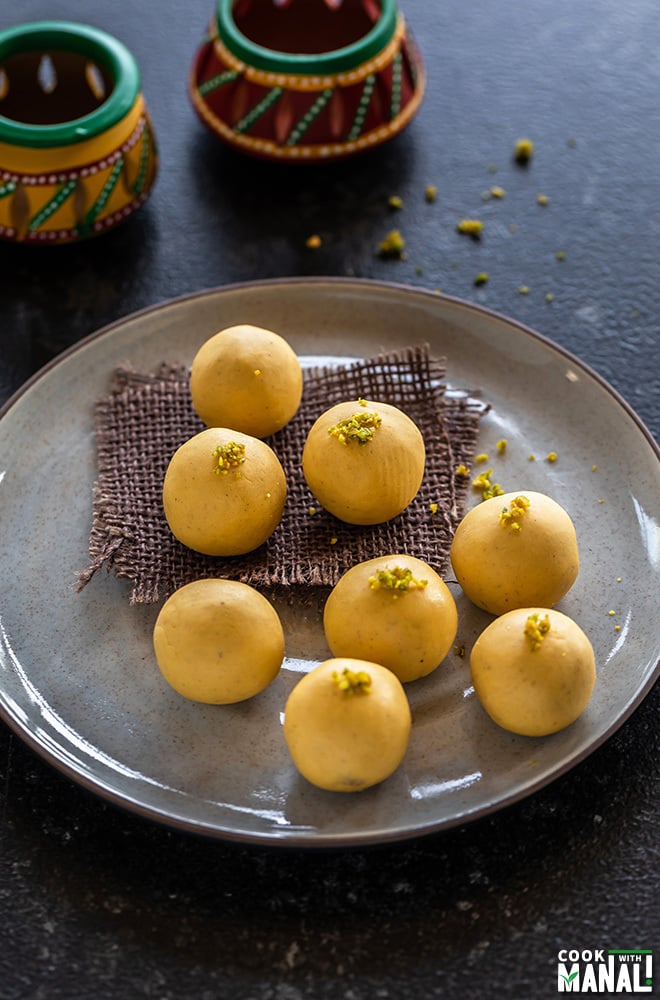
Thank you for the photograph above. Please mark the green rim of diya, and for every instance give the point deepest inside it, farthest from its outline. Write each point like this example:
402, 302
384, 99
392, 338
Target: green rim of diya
336, 61
106, 51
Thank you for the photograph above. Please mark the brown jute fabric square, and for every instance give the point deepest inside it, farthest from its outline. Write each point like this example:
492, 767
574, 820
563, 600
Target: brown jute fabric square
146, 416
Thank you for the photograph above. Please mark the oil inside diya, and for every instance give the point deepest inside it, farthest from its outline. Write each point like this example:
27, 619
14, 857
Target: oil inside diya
77, 151
306, 80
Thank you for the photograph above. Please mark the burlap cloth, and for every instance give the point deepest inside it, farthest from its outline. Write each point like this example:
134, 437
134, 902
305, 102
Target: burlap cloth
146, 416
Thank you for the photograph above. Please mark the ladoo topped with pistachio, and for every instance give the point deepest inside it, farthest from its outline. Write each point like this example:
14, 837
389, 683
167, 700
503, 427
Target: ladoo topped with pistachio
515, 550
394, 609
364, 461
223, 492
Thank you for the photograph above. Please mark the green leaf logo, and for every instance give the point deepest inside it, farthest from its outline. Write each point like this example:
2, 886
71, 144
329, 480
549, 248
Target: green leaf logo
569, 979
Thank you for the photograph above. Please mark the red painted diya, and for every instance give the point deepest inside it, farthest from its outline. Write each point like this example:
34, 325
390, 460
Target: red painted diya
306, 80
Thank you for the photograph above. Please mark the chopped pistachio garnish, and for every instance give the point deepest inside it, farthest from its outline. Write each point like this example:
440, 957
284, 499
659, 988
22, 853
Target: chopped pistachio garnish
396, 579
352, 681
392, 245
229, 456
361, 427
471, 227
536, 630
511, 517
487, 489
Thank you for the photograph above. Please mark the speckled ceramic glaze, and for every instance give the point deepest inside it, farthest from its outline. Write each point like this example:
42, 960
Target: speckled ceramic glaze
78, 680
77, 151
306, 80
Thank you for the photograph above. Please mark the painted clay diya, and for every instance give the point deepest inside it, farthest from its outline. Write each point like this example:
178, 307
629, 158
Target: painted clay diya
306, 80
77, 151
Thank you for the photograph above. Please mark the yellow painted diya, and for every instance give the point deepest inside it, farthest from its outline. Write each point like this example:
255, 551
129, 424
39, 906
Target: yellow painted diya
306, 80
77, 151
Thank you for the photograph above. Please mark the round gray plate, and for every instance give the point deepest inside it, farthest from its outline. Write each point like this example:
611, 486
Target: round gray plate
78, 680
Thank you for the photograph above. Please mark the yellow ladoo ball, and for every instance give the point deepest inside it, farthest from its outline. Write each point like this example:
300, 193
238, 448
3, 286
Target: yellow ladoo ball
223, 492
395, 610
364, 461
248, 378
515, 551
218, 641
347, 724
533, 670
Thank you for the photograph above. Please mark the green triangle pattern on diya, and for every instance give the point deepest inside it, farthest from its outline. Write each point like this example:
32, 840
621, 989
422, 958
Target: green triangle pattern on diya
246, 123
7, 189
219, 80
298, 131
362, 108
103, 197
52, 206
138, 186
395, 105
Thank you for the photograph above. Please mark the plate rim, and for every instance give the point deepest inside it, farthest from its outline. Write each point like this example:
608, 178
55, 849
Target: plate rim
296, 839
393, 286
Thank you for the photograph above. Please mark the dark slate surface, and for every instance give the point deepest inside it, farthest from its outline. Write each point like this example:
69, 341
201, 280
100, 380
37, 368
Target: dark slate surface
97, 903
